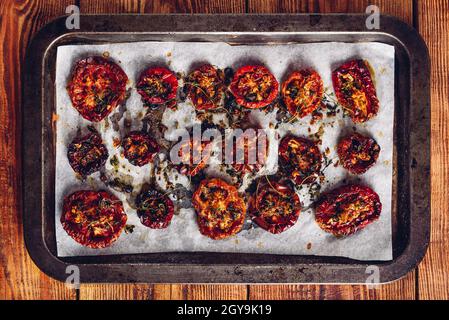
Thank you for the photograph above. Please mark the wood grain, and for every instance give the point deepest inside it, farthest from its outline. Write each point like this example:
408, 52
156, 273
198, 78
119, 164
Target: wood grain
19, 277
402, 289
434, 271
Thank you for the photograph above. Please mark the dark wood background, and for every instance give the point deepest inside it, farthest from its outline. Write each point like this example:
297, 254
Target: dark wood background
21, 279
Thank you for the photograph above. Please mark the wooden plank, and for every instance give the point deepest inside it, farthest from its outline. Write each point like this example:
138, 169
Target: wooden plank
402, 289
19, 277
433, 280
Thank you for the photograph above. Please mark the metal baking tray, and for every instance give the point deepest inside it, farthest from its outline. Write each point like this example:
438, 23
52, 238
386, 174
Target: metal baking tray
411, 185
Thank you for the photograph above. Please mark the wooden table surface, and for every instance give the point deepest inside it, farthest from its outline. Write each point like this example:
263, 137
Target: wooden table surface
21, 279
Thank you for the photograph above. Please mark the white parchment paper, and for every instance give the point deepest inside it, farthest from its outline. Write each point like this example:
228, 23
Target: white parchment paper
305, 238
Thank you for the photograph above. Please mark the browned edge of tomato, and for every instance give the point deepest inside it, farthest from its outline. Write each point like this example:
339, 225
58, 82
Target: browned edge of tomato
355, 91
158, 86
154, 209
254, 87
300, 159
87, 154
96, 87
358, 153
275, 206
302, 92
347, 209
205, 87
139, 148
94, 219
221, 211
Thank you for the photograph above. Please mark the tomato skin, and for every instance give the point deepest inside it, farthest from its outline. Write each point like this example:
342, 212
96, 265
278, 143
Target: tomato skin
217, 202
162, 76
147, 201
87, 154
300, 159
205, 87
132, 145
197, 148
247, 145
255, 74
309, 88
281, 196
97, 87
358, 153
85, 212
330, 216
353, 80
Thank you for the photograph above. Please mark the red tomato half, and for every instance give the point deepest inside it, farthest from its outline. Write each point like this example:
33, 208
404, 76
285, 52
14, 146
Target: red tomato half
347, 209
358, 153
97, 87
274, 207
154, 209
302, 92
221, 210
93, 219
355, 90
254, 146
254, 87
139, 148
158, 86
205, 87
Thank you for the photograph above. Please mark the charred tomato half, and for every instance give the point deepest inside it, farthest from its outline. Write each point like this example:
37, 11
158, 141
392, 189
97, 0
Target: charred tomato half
347, 209
302, 92
154, 209
97, 86
300, 159
192, 156
220, 209
254, 87
139, 148
358, 153
158, 86
93, 219
355, 90
274, 207
253, 148
205, 87
87, 154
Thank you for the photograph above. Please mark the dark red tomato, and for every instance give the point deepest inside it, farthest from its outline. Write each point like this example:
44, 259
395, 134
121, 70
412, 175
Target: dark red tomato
220, 209
347, 210
253, 148
93, 219
193, 157
254, 87
355, 90
358, 153
87, 154
154, 209
158, 86
139, 148
205, 87
97, 87
302, 92
274, 207
300, 159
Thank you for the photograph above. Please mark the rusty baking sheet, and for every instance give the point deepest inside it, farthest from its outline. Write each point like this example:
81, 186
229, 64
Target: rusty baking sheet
411, 185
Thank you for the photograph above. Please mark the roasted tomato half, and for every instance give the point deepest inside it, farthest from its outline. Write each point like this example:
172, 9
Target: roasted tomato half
300, 159
358, 153
254, 87
221, 210
253, 148
158, 86
97, 87
139, 148
274, 207
192, 157
205, 87
154, 209
347, 209
93, 219
302, 92
87, 154
355, 90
